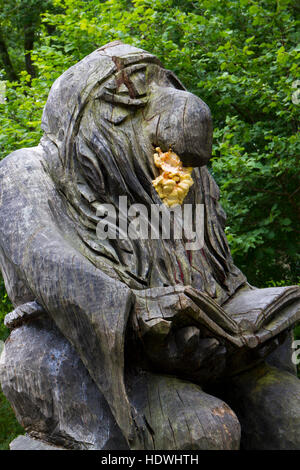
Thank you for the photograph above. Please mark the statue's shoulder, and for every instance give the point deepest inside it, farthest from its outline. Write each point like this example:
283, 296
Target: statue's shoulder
22, 162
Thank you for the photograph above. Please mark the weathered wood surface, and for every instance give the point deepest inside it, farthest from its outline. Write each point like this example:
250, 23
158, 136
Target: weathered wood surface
281, 357
179, 415
57, 402
52, 393
103, 119
27, 443
267, 403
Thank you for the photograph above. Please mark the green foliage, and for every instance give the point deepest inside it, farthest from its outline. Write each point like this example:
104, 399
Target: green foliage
241, 57
297, 337
5, 307
9, 427
297, 332
21, 114
19, 29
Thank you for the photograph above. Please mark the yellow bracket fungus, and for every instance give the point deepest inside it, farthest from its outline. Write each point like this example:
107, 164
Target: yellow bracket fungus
174, 181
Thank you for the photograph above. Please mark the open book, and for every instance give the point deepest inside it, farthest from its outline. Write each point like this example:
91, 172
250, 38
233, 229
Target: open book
251, 316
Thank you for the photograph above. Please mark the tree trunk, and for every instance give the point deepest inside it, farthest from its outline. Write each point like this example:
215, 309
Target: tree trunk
5, 59
28, 46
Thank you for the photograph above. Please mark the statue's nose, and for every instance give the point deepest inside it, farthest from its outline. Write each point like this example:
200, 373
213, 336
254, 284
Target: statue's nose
182, 121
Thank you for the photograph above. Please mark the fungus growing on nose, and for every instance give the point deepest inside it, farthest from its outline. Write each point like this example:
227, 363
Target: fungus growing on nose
174, 181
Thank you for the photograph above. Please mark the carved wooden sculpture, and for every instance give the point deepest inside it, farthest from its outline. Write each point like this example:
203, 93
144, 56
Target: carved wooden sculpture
127, 343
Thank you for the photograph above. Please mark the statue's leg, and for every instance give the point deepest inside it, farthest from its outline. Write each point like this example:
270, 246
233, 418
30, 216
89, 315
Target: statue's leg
267, 402
282, 356
52, 393
178, 415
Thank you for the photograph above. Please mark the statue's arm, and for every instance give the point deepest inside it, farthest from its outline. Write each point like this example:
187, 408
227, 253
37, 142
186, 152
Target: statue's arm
89, 308
33, 242
60, 278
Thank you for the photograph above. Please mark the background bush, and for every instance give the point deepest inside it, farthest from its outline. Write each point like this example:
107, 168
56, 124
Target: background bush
241, 57
9, 427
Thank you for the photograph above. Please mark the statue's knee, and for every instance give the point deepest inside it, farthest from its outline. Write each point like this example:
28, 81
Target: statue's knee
267, 402
44, 379
182, 416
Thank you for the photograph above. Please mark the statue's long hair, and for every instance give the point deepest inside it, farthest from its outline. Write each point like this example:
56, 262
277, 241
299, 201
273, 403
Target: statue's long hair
96, 157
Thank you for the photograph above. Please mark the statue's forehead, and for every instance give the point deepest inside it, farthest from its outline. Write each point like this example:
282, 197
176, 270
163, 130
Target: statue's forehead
99, 66
117, 48
75, 86
126, 53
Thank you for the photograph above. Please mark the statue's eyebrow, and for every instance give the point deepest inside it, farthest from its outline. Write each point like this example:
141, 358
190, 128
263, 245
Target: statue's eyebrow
130, 69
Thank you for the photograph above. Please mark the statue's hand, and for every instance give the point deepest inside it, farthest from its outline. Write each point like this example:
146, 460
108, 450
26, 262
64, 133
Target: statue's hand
164, 321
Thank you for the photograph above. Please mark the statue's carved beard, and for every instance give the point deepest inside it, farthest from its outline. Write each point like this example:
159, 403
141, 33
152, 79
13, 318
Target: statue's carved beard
113, 163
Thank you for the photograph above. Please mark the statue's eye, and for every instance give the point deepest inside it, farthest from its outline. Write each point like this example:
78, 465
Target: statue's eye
134, 86
138, 80
122, 89
129, 88
123, 94
122, 99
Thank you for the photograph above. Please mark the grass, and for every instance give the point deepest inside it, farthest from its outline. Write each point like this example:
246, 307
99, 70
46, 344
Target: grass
9, 426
